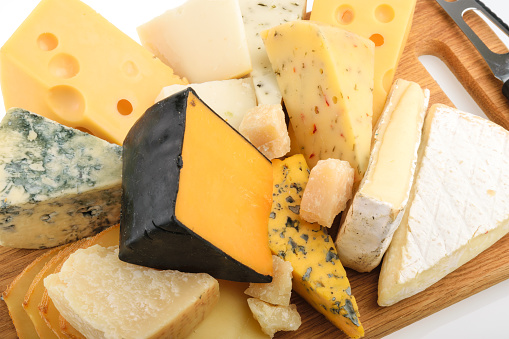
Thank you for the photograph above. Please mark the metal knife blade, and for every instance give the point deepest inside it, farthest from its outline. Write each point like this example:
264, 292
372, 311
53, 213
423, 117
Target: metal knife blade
498, 63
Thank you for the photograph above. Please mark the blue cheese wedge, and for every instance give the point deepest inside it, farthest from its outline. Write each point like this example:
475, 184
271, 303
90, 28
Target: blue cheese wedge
377, 207
259, 16
57, 184
458, 206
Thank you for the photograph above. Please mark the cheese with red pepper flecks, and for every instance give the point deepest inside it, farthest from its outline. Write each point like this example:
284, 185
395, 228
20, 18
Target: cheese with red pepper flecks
326, 77
318, 275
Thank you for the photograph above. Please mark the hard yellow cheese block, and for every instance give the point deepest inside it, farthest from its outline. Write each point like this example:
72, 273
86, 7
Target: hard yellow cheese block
326, 77
68, 63
318, 275
387, 23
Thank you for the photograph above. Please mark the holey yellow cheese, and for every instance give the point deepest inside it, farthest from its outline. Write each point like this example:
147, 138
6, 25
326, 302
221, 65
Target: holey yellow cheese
387, 23
377, 207
326, 77
69, 64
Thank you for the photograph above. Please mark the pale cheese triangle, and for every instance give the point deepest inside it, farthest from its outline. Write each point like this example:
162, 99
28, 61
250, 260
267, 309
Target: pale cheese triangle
458, 207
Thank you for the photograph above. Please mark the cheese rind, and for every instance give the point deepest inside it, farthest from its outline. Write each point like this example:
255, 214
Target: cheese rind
387, 23
69, 64
196, 194
103, 297
257, 17
202, 40
58, 184
230, 99
318, 275
377, 207
326, 77
458, 206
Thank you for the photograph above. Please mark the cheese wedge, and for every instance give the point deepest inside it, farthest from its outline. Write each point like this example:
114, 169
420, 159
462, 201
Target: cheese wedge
458, 205
377, 207
258, 16
318, 275
103, 297
326, 77
196, 194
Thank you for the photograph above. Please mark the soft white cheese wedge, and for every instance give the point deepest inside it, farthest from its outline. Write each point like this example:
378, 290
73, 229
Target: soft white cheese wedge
458, 206
377, 207
259, 16
230, 99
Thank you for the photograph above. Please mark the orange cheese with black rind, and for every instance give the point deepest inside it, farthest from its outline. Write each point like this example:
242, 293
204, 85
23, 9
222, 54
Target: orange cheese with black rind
196, 194
69, 64
318, 275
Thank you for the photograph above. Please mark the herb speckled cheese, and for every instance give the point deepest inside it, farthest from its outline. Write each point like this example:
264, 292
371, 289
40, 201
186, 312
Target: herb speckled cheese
326, 77
57, 184
318, 275
259, 16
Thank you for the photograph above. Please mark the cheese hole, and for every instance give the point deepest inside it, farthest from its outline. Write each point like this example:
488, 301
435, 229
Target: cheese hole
67, 102
130, 69
64, 66
345, 14
83, 129
378, 39
47, 42
384, 13
124, 107
335, 99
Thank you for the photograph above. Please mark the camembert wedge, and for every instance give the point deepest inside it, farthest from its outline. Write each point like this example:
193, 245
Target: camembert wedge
458, 206
377, 208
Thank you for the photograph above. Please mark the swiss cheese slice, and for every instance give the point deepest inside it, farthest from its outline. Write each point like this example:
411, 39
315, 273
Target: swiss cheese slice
326, 77
458, 206
378, 205
68, 63
197, 195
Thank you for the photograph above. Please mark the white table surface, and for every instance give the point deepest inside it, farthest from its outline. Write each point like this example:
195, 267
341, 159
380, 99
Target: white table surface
484, 315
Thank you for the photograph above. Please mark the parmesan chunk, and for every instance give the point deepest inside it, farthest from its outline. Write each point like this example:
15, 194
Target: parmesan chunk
264, 126
328, 189
103, 297
274, 318
279, 291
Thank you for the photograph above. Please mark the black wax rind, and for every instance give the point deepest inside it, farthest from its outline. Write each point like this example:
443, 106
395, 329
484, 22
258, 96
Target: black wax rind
150, 234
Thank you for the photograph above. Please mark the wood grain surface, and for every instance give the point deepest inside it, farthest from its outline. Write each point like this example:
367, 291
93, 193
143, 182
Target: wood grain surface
433, 33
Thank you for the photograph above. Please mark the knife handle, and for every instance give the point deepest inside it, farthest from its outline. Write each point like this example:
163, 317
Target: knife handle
505, 89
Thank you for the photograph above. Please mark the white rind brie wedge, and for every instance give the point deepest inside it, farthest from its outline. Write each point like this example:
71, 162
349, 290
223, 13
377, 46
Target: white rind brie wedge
377, 208
458, 207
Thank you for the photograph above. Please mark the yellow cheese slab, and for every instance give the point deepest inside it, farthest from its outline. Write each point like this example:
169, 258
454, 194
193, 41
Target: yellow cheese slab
318, 275
71, 65
326, 77
387, 23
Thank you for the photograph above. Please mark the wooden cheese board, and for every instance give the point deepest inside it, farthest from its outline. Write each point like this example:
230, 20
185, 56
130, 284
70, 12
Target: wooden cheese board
433, 33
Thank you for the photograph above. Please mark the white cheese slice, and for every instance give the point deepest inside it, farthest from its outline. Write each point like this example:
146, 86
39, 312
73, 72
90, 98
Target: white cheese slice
377, 207
458, 206
230, 99
259, 16
202, 40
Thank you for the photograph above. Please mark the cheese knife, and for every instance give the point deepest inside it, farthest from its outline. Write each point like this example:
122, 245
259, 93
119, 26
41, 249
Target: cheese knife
498, 63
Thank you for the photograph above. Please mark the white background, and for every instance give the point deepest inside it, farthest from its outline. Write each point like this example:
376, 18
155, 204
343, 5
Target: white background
484, 315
